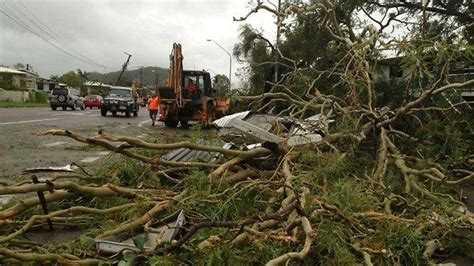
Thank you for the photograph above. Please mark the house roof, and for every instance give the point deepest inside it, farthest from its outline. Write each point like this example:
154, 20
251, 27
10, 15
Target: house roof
96, 83
11, 71
30, 73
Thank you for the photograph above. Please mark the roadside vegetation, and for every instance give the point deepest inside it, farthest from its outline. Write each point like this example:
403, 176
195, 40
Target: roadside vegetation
12, 104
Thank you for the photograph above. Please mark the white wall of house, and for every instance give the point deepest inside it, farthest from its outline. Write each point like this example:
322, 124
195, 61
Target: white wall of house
16, 96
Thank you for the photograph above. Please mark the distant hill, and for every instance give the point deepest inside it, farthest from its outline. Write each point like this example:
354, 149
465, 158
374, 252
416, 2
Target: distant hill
149, 76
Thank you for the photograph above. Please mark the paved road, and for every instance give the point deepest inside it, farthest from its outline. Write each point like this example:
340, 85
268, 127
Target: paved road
19, 149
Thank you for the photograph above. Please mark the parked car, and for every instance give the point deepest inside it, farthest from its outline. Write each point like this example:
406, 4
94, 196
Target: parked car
119, 99
66, 97
92, 100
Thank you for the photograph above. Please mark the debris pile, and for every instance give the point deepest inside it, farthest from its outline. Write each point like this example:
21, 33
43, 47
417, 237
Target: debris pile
277, 181
334, 174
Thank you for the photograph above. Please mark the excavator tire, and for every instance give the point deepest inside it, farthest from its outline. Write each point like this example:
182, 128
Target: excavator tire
184, 123
171, 123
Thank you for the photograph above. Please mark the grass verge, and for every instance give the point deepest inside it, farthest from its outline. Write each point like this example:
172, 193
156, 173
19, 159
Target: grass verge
9, 104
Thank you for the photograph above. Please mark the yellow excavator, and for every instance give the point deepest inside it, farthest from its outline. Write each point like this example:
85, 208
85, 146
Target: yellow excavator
178, 105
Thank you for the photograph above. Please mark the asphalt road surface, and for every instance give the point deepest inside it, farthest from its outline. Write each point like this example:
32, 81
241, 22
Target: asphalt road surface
20, 149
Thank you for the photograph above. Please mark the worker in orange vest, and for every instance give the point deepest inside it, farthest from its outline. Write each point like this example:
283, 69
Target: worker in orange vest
192, 88
153, 107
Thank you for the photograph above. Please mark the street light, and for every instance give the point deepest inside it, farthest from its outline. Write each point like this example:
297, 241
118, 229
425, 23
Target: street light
230, 60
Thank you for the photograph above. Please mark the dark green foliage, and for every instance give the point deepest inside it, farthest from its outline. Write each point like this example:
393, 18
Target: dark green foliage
150, 75
37, 97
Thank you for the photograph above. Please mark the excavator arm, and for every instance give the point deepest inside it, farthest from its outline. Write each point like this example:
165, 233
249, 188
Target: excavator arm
175, 73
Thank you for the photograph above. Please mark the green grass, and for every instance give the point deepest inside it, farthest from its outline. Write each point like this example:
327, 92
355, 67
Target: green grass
10, 104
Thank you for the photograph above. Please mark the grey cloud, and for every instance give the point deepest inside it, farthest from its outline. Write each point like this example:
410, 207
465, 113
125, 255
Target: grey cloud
103, 30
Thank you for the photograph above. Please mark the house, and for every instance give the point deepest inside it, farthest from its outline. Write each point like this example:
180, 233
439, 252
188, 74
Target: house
46, 85
29, 80
95, 87
23, 79
392, 70
11, 79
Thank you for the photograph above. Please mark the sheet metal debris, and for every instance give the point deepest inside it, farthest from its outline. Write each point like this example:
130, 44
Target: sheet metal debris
256, 131
188, 155
165, 234
67, 168
227, 120
243, 128
304, 139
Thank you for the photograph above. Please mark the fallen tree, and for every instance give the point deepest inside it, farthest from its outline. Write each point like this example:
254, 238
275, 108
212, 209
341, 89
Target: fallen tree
382, 186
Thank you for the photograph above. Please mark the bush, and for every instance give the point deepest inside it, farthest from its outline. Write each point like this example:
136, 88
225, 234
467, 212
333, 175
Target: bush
38, 97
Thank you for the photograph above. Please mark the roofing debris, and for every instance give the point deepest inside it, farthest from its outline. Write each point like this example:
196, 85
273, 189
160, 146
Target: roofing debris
164, 234
250, 130
188, 155
227, 120
244, 128
67, 168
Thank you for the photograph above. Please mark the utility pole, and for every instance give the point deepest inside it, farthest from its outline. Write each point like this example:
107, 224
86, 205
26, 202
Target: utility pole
156, 80
277, 43
124, 67
141, 77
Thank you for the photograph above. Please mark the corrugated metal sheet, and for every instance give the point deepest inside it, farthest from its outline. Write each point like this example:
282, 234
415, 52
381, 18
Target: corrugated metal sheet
188, 155
263, 121
256, 131
226, 121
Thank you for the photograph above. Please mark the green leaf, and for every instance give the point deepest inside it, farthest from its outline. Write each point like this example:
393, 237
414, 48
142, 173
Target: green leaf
127, 258
139, 242
86, 241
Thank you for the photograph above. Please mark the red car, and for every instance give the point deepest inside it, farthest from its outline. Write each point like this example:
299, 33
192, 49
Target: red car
93, 101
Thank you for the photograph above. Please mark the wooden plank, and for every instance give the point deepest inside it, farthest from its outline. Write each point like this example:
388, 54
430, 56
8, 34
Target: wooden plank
40, 194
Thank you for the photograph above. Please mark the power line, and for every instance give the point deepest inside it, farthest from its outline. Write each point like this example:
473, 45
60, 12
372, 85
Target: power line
41, 37
27, 27
55, 36
49, 35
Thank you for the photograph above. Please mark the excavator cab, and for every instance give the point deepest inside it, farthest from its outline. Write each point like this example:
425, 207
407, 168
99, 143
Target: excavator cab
201, 79
178, 104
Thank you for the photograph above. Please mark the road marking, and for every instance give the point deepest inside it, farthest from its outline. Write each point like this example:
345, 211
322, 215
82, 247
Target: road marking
68, 114
28, 121
76, 114
90, 159
57, 143
143, 122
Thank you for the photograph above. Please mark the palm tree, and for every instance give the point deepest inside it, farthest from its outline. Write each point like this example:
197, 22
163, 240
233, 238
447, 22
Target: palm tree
82, 74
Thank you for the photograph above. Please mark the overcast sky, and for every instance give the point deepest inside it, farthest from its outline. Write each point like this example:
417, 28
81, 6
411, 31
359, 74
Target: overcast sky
103, 30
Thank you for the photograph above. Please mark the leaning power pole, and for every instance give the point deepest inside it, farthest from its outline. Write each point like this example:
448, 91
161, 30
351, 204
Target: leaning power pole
124, 67
141, 77
277, 44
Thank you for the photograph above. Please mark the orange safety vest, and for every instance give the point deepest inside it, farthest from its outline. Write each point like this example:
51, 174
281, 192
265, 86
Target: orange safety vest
153, 103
